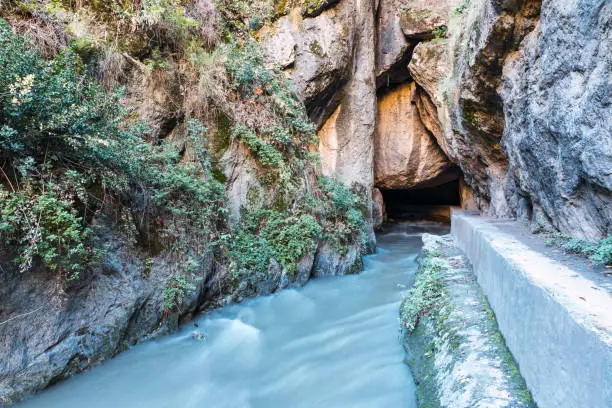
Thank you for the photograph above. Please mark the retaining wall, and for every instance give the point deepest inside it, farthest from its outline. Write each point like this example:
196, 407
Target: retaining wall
555, 321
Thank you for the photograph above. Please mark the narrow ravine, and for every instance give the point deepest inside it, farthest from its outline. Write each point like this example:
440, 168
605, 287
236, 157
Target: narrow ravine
333, 343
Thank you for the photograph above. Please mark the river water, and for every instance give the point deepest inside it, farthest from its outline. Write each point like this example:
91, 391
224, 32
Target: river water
333, 344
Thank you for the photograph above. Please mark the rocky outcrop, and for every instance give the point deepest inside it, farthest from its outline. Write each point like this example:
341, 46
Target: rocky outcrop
316, 54
51, 330
558, 133
527, 128
406, 155
330, 58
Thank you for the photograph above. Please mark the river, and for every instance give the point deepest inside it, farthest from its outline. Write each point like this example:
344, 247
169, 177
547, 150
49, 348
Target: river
333, 344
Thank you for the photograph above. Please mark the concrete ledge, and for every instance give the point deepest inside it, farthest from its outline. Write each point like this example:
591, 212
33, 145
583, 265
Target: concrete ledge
556, 322
453, 346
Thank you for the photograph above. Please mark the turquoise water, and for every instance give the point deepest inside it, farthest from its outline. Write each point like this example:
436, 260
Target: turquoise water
334, 343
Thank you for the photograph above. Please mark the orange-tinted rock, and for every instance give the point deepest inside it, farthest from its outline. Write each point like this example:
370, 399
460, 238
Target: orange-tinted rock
406, 155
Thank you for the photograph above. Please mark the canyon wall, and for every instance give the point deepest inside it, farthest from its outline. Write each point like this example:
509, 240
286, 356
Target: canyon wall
510, 98
530, 130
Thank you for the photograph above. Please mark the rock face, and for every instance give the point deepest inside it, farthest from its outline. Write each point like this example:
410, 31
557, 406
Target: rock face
558, 134
406, 155
517, 94
530, 131
50, 332
54, 333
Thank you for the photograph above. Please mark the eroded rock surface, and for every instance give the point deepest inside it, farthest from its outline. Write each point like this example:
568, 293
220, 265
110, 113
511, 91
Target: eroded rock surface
454, 346
406, 155
558, 134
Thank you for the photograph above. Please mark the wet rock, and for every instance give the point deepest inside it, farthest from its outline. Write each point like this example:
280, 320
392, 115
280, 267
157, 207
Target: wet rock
52, 329
454, 348
379, 213
331, 261
198, 335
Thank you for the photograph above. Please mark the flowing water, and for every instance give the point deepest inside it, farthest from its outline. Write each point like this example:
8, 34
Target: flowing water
333, 343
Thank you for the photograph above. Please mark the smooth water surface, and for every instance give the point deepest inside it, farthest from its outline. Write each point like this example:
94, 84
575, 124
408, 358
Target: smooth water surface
333, 343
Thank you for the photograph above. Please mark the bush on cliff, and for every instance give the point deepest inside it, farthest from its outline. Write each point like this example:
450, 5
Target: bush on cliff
69, 152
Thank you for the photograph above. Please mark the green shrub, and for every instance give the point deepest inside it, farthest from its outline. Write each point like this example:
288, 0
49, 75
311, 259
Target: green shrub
603, 253
266, 153
440, 32
70, 151
345, 212
245, 67
599, 251
266, 234
176, 290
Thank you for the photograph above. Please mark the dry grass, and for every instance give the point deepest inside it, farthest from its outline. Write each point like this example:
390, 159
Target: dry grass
112, 68
44, 34
205, 11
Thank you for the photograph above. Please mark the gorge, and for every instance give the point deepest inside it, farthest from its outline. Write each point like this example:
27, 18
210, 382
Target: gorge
164, 160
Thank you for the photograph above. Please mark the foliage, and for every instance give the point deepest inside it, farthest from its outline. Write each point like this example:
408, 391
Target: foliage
265, 234
599, 251
245, 67
345, 212
69, 151
461, 8
64, 123
440, 32
267, 154
177, 288
603, 252
425, 293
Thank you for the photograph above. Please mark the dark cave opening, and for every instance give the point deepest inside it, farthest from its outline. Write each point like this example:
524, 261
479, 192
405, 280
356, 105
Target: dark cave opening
427, 203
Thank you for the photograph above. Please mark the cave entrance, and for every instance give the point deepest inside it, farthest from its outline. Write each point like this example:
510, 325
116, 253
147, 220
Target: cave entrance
422, 203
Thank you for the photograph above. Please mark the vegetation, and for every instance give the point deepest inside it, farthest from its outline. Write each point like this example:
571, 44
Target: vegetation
440, 32
264, 235
598, 251
177, 288
76, 159
69, 154
425, 293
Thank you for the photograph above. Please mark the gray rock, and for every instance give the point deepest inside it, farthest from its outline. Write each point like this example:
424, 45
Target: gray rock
558, 134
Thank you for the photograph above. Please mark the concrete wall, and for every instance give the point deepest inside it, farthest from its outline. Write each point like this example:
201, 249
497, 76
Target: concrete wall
556, 322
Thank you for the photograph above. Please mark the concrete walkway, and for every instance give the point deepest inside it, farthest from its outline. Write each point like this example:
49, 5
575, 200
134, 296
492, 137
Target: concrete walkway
554, 312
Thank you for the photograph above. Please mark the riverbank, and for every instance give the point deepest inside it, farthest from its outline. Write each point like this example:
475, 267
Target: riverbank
454, 348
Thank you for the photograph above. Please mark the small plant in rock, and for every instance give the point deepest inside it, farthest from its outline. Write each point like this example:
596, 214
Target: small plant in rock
460, 9
440, 32
176, 290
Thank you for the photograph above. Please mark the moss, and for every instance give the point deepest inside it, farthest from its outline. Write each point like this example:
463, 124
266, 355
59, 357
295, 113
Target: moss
425, 294
509, 364
218, 174
317, 50
223, 136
